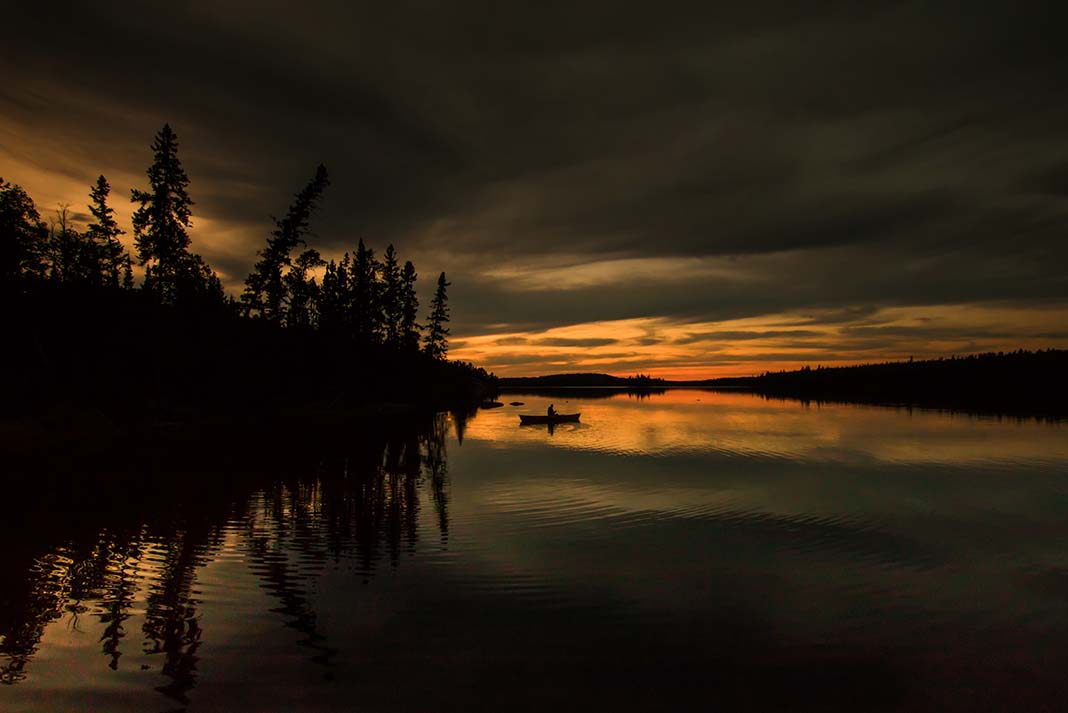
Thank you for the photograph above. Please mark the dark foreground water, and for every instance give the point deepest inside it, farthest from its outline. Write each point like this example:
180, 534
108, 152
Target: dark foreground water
715, 550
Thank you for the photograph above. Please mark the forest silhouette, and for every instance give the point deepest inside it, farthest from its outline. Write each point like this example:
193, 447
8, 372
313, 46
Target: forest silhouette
83, 334
1018, 383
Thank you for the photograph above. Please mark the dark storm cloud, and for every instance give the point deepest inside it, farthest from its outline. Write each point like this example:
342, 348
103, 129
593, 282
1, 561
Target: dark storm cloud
848, 155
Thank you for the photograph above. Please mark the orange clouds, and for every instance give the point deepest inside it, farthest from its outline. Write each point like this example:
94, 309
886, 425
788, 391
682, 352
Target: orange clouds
679, 350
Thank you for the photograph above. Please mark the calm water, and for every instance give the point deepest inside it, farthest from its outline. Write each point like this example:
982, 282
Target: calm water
686, 547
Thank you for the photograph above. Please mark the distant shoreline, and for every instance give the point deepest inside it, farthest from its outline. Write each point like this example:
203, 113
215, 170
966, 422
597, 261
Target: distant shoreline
1020, 383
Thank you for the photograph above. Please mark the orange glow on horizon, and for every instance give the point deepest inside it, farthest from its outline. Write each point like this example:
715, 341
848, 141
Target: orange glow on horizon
703, 350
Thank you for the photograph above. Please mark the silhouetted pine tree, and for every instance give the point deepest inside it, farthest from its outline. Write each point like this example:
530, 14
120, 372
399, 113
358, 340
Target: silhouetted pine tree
366, 303
335, 297
409, 309
302, 291
198, 282
391, 298
161, 223
436, 343
23, 236
266, 287
111, 257
160, 230
127, 273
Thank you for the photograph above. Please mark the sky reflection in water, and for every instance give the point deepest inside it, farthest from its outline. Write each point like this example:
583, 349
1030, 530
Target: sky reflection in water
687, 545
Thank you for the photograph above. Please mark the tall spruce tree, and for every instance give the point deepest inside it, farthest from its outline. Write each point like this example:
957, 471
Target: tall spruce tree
111, 258
436, 343
409, 301
366, 303
335, 297
391, 298
127, 273
23, 236
162, 221
302, 290
266, 294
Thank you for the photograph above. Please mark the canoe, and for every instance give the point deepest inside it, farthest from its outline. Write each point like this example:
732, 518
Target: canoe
558, 418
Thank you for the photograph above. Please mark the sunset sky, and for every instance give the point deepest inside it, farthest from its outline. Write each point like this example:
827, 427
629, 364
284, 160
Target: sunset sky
688, 190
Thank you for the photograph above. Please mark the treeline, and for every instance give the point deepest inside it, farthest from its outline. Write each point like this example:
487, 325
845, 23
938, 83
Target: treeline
587, 380
372, 301
1018, 382
74, 292
584, 385
31, 250
1024, 383
640, 379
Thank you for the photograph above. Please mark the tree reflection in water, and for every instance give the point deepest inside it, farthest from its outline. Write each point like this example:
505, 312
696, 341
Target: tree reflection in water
360, 503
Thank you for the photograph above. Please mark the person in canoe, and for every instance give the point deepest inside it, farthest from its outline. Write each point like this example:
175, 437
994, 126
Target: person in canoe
552, 411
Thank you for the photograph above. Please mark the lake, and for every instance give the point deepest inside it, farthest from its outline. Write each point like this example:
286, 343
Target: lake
682, 548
